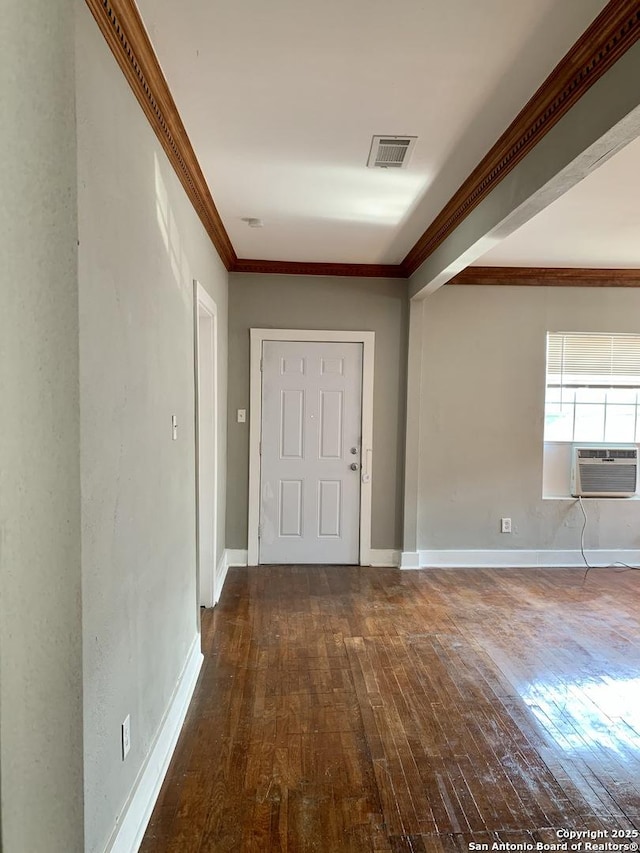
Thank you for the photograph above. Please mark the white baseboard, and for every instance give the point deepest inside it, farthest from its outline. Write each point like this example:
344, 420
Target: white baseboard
410, 560
221, 575
516, 558
471, 559
381, 557
127, 836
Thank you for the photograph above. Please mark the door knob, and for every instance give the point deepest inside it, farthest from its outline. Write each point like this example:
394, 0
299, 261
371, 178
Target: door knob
354, 466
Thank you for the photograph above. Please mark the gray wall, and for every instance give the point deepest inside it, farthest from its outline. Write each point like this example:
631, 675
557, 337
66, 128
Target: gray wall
141, 245
40, 618
482, 414
316, 302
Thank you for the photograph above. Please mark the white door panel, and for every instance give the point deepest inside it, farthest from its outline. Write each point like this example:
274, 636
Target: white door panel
311, 437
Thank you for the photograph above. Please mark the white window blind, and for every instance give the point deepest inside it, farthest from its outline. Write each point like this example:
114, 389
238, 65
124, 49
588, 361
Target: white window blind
596, 359
593, 387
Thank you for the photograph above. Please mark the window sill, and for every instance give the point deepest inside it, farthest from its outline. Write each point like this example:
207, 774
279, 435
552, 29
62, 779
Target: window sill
574, 499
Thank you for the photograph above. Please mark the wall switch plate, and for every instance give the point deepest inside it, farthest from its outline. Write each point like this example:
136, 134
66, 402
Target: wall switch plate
126, 736
174, 427
505, 525
242, 416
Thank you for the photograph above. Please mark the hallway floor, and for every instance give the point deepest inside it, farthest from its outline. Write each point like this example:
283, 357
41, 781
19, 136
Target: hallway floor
357, 709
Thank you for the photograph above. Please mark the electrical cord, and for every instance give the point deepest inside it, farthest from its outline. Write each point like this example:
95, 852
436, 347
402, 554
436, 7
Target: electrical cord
584, 527
627, 567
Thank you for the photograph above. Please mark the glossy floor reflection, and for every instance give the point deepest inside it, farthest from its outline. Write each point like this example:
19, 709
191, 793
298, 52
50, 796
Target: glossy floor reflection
347, 709
599, 713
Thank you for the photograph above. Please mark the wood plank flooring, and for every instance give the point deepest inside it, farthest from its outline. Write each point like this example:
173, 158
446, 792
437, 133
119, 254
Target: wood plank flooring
357, 709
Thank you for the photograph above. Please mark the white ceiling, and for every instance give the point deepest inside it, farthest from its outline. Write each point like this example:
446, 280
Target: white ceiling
281, 100
594, 224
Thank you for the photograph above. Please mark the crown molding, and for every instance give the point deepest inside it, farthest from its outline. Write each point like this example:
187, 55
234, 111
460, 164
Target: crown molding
610, 35
124, 32
548, 277
307, 268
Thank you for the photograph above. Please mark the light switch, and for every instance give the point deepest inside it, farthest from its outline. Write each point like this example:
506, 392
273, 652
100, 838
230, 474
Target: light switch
174, 427
242, 416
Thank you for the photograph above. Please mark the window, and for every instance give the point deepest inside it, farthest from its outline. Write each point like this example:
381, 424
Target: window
593, 388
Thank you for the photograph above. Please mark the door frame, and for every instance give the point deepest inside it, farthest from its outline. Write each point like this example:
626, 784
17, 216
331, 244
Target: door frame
202, 299
258, 336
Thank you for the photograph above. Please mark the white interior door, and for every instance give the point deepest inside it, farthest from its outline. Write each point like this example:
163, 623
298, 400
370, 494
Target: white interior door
310, 452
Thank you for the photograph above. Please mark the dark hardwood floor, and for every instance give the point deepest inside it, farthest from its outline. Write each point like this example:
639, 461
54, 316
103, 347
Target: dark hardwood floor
348, 709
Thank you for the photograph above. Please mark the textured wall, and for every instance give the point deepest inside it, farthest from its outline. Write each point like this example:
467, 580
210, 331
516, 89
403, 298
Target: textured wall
294, 302
40, 618
482, 414
141, 245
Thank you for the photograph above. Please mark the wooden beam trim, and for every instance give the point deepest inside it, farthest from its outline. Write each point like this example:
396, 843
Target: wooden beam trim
611, 34
548, 277
248, 265
124, 32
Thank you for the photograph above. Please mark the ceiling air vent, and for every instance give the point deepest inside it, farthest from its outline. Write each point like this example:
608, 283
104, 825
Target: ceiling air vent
390, 152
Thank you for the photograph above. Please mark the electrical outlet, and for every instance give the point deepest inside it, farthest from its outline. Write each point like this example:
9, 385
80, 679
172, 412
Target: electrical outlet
505, 525
126, 736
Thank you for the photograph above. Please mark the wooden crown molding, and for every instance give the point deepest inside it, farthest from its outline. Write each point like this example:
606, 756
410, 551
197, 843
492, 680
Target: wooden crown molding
548, 277
308, 268
123, 29
610, 35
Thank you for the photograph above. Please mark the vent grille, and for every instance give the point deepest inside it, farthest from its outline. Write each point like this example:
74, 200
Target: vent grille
608, 478
606, 453
390, 152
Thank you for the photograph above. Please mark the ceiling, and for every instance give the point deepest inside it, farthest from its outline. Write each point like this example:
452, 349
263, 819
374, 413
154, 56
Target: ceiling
281, 99
595, 224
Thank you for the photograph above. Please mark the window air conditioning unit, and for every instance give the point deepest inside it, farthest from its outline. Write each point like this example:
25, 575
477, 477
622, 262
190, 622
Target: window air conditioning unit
604, 471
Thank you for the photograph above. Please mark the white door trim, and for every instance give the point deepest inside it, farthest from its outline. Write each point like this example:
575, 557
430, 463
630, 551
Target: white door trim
367, 339
201, 297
